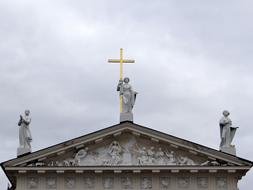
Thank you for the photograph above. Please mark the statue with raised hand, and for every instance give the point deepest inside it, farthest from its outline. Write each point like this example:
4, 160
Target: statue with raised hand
25, 137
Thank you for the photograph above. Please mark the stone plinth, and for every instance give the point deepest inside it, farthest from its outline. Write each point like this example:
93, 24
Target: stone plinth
22, 150
126, 117
229, 150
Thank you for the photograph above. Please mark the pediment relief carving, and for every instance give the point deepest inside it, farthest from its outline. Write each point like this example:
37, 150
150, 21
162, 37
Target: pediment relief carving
128, 149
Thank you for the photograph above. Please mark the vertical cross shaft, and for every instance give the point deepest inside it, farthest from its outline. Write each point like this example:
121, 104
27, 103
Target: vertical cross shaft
121, 64
121, 78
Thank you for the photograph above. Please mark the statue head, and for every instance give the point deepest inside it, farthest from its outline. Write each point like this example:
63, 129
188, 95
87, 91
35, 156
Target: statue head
225, 113
126, 80
115, 143
27, 112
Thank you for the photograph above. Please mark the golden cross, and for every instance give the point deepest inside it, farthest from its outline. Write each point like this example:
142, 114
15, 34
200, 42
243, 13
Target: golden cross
121, 61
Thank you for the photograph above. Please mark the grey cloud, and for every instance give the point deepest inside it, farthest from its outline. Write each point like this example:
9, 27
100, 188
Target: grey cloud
192, 61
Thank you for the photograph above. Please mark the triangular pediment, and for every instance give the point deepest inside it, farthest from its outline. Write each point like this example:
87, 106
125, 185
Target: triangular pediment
127, 144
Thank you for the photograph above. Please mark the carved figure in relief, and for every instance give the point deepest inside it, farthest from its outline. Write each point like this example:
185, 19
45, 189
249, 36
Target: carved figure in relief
32, 183
70, 182
115, 152
51, 163
25, 137
39, 164
171, 158
160, 156
58, 163
126, 182
210, 163
146, 183
81, 154
164, 183
151, 155
143, 156
227, 132
89, 182
221, 182
183, 182
68, 162
182, 160
51, 182
202, 182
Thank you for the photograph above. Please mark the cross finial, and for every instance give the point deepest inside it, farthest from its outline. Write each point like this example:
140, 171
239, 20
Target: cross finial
121, 61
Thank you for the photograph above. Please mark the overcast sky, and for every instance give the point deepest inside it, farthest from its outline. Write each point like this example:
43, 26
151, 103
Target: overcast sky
193, 60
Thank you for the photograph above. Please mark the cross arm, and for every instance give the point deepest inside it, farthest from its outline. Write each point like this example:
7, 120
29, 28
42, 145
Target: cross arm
118, 61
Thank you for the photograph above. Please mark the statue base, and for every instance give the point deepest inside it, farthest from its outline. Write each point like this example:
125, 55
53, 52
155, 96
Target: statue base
21, 151
229, 150
126, 117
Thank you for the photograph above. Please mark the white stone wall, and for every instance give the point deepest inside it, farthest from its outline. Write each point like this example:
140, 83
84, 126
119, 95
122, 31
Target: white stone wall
134, 181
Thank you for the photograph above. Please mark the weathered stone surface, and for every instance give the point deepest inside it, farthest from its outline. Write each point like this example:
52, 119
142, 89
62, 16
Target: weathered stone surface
127, 149
126, 117
23, 150
126, 180
229, 150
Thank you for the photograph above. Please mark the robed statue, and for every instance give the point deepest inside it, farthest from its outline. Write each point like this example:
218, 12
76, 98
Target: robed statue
128, 95
25, 137
227, 131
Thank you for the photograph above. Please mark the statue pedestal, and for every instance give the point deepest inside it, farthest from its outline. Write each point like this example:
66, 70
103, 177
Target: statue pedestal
22, 150
229, 150
126, 117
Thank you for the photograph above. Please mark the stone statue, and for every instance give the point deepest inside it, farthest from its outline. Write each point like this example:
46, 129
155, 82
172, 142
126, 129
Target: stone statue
81, 154
171, 158
51, 183
151, 155
159, 156
227, 133
68, 162
33, 183
146, 183
143, 156
115, 152
182, 160
127, 182
164, 183
25, 136
128, 99
70, 183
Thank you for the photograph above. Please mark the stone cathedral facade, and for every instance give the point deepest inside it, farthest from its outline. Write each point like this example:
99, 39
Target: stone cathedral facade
126, 156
